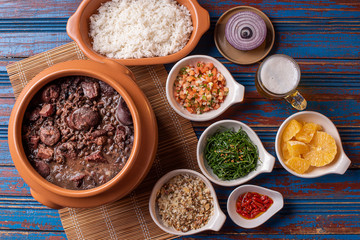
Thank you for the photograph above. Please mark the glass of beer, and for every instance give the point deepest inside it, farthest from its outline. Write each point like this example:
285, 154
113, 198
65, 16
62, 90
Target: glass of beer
278, 77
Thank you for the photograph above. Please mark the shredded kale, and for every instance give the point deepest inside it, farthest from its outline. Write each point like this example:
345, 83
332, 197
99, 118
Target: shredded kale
231, 154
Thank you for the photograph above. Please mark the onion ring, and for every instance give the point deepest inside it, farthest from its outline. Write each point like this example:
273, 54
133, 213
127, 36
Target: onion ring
245, 30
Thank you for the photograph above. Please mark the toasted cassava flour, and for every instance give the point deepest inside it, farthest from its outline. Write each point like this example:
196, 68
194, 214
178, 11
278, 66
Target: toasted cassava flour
125, 29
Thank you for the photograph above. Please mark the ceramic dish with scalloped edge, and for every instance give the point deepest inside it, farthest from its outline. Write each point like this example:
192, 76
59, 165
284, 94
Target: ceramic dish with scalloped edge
265, 162
235, 95
341, 162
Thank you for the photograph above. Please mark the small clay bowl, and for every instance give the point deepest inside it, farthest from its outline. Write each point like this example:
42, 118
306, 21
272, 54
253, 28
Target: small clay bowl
142, 153
78, 30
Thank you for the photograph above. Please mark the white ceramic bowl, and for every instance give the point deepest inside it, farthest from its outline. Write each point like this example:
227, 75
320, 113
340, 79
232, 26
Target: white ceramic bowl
252, 223
235, 95
217, 219
341, 161
265, 163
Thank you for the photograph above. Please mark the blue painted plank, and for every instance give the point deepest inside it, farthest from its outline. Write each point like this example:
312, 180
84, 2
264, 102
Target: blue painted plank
30, 219
31, 235
296, 8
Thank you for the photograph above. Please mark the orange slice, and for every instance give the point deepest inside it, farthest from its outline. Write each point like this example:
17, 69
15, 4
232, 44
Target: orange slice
285, 151
322, 149
307, 132
297, 148
298, 164
291, 130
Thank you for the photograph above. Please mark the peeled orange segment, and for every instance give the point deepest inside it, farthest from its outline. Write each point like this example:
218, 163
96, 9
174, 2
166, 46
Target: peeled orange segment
285, 151
322, 150
307, 132
297, 148
298, 164
291, 130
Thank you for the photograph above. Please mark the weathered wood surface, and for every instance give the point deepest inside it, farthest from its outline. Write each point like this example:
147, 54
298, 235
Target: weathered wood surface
323, 36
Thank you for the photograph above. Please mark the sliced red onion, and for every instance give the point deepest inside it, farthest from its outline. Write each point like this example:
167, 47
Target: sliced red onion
245, 30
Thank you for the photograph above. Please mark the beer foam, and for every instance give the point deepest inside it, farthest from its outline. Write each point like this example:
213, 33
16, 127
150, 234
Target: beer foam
279, 74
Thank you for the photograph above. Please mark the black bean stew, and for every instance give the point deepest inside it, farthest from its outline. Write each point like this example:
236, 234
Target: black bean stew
78, 132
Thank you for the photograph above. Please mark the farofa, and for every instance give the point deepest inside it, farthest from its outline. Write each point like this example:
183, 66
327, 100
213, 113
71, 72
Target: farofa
185, 203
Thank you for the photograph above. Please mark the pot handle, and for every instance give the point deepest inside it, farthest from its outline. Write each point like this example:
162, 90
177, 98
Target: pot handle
44, 201
239, 92
70, 27
344, 164
220, 218
203, 18
269, 162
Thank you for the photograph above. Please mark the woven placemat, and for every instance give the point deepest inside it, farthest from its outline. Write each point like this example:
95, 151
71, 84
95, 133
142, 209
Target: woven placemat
128, 218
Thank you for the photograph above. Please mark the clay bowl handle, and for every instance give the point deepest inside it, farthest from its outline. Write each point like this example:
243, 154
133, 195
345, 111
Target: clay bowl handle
204, 19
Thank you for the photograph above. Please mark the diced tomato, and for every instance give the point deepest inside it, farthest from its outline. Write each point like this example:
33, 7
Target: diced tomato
197, 88
209, 65
190, 110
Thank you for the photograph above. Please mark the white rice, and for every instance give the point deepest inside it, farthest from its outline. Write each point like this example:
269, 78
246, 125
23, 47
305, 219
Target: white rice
125, 29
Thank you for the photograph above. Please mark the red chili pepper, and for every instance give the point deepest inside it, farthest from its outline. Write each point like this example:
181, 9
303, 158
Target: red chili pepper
254, 205
258, 200
250, 204
259, 205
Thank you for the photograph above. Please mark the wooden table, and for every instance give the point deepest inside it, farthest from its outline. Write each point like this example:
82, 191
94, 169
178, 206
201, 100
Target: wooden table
323, 36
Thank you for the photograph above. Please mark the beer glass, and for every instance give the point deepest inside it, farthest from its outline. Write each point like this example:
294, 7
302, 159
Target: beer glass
278, 77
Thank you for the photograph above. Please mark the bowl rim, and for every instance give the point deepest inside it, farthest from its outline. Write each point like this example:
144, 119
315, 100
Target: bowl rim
275, 207
167, 177
231, 83
340, 155
24, 100
262, 167
200, 16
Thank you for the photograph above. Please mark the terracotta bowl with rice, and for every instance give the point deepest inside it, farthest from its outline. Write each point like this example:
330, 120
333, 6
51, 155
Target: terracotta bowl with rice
157, 43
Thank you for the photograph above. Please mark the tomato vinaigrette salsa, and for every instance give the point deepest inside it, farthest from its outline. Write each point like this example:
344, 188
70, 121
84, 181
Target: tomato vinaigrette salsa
200, 88
251, 204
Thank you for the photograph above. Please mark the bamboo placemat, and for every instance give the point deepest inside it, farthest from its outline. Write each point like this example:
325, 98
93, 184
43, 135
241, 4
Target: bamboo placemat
128, 218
